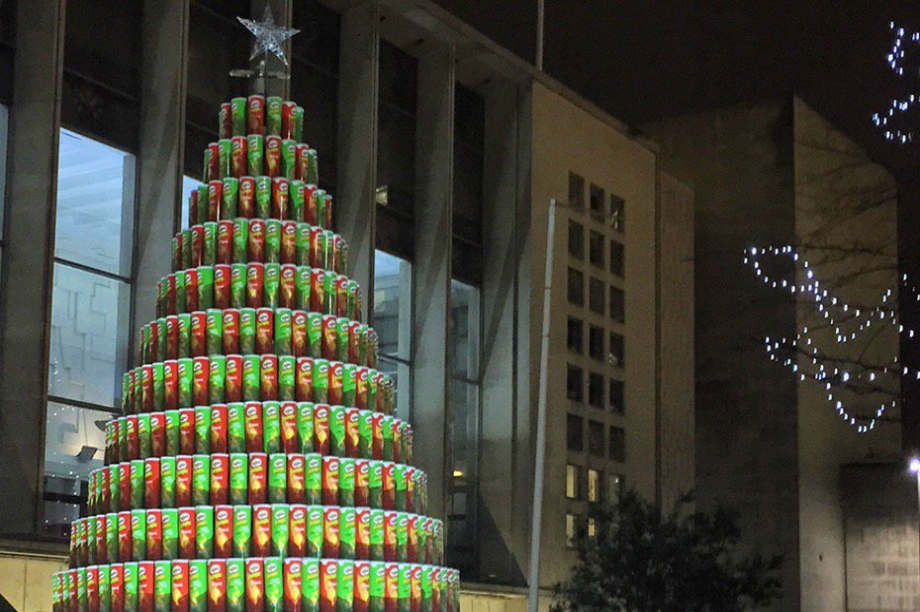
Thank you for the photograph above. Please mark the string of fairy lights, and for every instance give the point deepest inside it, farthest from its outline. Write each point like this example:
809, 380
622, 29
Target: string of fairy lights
803, 355
897, 108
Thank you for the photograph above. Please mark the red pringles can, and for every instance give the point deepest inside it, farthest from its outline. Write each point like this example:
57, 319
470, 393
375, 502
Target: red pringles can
265, 330
261, 530
293, 584
299, 334
220, 478
158, 433
180, 586
328, 585
289, 440
289, 242
154, 534
255, 585
303, 389
183, 480
297, 531
222, 286
238, 160
331, 534
223, 531
258, 478
217, 585
230, 331
287, 289
268, 377
225, 242
152, 482
255, 115
273, 157
200, 381
288, 120
255, 282
187, 533
253, 427
247, 204
330, 480
296, 479
187, 431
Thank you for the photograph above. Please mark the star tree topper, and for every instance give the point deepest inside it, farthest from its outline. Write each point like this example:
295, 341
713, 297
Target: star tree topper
268, 39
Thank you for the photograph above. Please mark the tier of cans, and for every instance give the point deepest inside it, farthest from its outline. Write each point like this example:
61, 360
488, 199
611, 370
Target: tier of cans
257, 478
271, 584
258, 331
285, 530
231, 379
253, 427
259, 240
260, 197
258, 285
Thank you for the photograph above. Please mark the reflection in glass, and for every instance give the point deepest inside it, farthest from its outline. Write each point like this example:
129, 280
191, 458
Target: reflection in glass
464, 306
74, 446
95, 204
393, 304
464, 434
89, 327
401, 375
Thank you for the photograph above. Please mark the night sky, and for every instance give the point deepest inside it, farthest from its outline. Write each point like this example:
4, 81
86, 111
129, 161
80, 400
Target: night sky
643, 60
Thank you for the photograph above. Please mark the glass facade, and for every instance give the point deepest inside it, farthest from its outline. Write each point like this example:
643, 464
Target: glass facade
392, 320
90, 315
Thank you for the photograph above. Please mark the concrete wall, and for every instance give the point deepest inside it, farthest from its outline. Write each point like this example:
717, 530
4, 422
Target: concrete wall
739, 163
25, 581
566, 138
676, 460
880, 522
842, 200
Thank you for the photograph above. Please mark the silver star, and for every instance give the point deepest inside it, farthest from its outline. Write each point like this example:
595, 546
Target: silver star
269, 35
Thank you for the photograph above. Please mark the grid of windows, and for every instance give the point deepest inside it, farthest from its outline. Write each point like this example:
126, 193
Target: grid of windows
90, 316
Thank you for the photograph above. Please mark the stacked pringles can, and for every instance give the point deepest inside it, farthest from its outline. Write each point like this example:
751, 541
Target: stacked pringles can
258, 465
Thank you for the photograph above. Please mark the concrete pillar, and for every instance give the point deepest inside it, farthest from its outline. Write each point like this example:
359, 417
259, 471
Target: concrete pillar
27, 268
282, 13
434, 164
356, 161
162, 149
506, 452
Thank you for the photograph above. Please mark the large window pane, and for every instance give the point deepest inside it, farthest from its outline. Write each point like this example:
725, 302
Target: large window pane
393, 304
89, 331
95, 205
74, 446
464, 467
402, 378
464, 305
188, 186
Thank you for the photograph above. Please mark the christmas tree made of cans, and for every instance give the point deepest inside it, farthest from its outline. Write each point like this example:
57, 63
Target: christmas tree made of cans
258, 465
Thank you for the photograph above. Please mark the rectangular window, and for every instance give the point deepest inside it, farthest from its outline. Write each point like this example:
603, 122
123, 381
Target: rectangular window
90, 315
576, 240
572, 480
617, 213
592, 528
575, 386
596, 438
597, 296
575, 336
596, 343
188, 186
617, 354
617, 305
615, 396
616, 258
596, 249
614, 488
571, 530
576, 191
574, 432
392, 320
597, 200
576, 287
596, 390
617, 444
594, 485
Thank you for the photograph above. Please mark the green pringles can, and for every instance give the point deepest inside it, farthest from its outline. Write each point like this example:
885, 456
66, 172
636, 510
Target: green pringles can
170, 520
346, 481
236, 584
287, 377
402, 537
217, 376
248, 331
349, 378
205, 287
273, 241
255, 154
209, 248
242, 531
305, 426
281, 520
236, 427
186, 370
136, 484
377, 526
238, 116
271, 427
129, 586
263, 197
341, 342
273, 115
347, 532
172, 431
274, 584
168, 481
313, 478
185, 336
214, 331
345, 595
162, 585
203, 429
302, 287
404, 590
204, 532
365, 433
377, 585
375, 485
336, 429
277, 478
271, 285
288, 159
314, 333
201, 479
310, 585
251, 384
230, 198
399, 480
296, 195
138, 535
314, 541
283, 331
197, 585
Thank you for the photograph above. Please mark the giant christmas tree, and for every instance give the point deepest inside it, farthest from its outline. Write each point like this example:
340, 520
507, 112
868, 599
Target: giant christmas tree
258, 464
